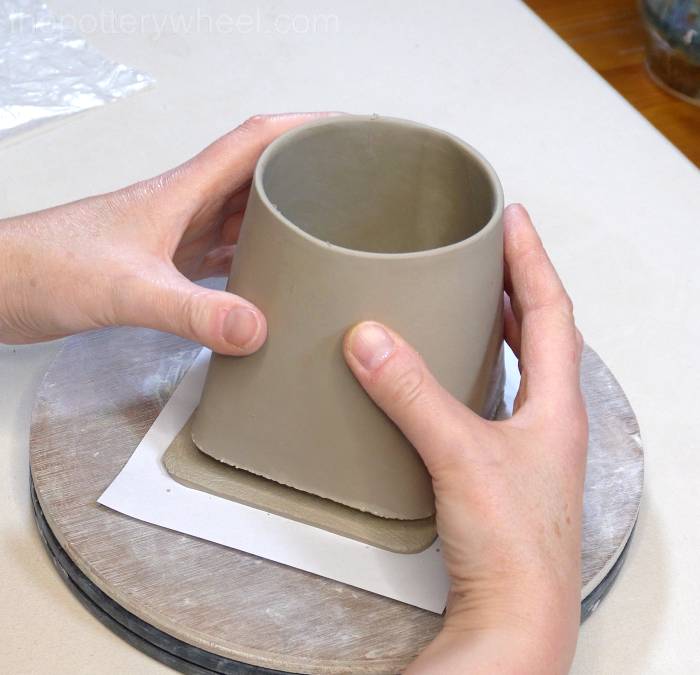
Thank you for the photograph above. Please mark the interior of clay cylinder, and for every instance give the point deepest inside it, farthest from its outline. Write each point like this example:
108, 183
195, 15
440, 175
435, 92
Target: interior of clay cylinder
379, 186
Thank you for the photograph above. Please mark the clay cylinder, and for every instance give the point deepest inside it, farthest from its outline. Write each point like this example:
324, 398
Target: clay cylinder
357, 218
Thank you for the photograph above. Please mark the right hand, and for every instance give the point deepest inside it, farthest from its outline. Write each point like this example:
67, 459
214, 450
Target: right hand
130, 257
508, 494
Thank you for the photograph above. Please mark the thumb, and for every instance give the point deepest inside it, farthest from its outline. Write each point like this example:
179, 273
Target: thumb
220, 320
398, 381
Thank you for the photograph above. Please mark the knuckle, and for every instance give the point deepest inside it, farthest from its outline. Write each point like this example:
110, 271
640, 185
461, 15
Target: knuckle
566, 303
256, 122
555, 303
542, 284
407, 387
255, 130
192, 315
577, 434
559, 298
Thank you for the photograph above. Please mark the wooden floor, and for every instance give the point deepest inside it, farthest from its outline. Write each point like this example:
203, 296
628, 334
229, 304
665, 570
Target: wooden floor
609, 35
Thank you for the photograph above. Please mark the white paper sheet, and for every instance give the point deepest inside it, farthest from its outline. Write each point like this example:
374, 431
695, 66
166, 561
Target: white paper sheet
144, 490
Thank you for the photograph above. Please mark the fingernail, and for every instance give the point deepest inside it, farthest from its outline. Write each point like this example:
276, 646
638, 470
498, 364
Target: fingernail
517, 207
241, 326
371, 345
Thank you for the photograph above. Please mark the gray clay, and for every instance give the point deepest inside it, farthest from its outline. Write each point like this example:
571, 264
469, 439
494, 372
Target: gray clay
187, 465
349, 219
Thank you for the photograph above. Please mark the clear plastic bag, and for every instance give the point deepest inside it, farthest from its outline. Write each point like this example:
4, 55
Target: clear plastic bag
47, 69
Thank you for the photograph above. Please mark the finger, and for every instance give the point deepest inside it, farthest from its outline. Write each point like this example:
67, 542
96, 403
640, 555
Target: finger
238, 201
217, 263
398, 381
191, 256
521, 394
231, 228
511, 326
167, 301
548, 337
228, 163
222, 219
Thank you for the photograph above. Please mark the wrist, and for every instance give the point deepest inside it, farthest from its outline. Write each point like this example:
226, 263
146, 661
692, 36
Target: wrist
505, 650
529, 633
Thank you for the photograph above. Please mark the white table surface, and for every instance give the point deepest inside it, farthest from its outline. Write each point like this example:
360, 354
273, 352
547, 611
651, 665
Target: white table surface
617, 205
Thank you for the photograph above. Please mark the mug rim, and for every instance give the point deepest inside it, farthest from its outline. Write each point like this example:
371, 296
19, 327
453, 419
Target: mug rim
475, 155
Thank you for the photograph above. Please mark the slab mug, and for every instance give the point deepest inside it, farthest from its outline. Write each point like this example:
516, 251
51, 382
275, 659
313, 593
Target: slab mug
355, 218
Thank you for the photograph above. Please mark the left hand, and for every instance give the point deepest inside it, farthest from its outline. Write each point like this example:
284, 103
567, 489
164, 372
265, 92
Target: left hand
128, 257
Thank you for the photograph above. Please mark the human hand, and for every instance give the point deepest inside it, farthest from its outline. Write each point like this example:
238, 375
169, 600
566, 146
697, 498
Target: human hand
128, 257
508, 494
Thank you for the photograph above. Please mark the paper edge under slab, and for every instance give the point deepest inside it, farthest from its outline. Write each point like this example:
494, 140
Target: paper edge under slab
144, 490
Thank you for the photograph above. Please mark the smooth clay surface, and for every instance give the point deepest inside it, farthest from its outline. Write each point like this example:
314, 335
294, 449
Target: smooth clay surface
187, 465
351, 219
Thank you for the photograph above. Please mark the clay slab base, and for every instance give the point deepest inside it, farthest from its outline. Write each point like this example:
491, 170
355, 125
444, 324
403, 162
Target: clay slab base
191, 467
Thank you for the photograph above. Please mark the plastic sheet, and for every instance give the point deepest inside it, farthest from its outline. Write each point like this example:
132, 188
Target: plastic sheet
47, 69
